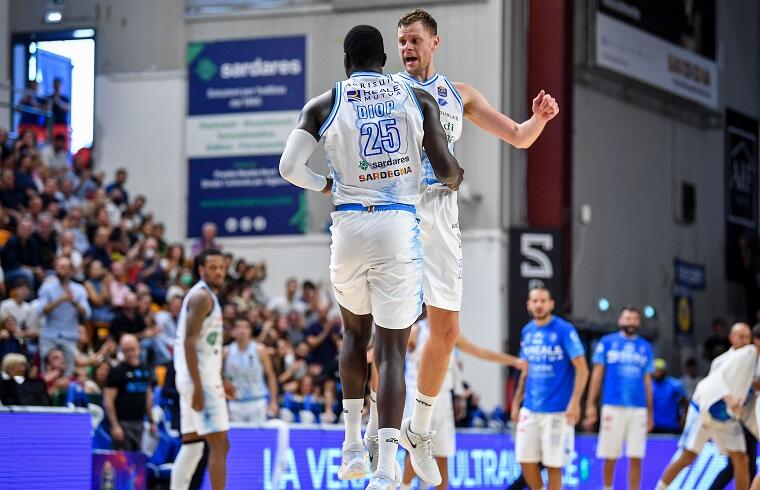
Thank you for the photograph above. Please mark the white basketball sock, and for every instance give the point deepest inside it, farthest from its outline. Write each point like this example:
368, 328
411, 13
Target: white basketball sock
388, 441
372, 422
352, 419
185, 464
422, 413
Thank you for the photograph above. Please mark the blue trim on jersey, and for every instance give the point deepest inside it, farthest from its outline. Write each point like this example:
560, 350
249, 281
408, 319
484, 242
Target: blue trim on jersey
423, 83
366, 74
416, 101
336, 105
379, 207
456, 93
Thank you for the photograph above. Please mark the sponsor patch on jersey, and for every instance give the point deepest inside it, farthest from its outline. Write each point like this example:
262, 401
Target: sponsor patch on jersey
354, 95
211, 338
443, 92
442, 102
389, 174
363, 165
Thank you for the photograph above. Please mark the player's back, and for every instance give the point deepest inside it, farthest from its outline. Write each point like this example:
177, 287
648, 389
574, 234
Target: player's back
373, 140
209, 345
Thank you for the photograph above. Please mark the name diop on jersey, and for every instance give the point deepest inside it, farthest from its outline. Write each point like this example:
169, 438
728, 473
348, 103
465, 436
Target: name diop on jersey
385, 174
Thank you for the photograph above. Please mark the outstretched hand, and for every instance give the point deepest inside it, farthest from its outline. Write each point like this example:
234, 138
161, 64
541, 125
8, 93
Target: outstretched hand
545, 107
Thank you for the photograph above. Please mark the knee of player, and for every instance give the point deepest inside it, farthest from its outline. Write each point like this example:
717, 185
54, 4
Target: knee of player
449, 334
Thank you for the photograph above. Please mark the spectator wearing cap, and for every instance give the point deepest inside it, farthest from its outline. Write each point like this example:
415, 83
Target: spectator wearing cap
21, 254
119, 184
669, 398
207, 239
64, 304
55, 156
128, 397
16, 388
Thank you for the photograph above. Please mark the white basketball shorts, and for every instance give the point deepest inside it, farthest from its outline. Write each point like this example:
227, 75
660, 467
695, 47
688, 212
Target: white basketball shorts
442, 245
376, 265
622, 425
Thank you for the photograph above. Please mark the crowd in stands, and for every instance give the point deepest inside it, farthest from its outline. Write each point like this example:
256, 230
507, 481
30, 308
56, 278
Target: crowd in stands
91, 291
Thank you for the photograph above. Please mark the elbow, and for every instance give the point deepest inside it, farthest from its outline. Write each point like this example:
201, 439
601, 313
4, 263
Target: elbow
286, 170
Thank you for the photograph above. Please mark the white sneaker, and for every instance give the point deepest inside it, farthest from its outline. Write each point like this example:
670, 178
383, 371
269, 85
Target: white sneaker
354, 465
381, 481
420, 447
373, 447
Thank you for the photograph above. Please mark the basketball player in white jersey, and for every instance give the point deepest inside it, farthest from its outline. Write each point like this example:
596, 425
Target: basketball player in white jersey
246, 366
439, 221
374, 130
198, 364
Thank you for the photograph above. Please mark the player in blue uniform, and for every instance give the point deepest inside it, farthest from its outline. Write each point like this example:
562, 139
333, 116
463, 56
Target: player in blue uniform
550, 391
623, 367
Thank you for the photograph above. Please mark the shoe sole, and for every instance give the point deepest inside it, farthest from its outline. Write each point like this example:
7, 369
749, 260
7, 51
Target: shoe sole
407, 444
356, 471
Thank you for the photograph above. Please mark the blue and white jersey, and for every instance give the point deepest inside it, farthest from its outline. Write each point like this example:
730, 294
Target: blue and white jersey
373, 140
626, 362
549, 351
246, 373
209, 345
452, 112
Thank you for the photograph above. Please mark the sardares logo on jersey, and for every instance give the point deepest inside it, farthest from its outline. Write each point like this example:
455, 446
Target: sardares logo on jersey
391, 162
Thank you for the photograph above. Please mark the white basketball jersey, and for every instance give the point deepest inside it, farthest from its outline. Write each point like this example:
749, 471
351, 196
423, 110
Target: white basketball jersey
245, 372
209, 345
452, 112
373, 141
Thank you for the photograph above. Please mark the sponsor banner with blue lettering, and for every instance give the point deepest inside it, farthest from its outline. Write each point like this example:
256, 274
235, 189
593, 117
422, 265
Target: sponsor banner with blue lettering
244, 98
309, 458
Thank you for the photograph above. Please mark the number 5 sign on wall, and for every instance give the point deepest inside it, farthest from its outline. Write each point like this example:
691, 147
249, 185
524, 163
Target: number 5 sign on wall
535, 259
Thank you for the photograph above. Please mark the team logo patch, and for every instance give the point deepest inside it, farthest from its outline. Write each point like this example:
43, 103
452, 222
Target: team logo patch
442, 102
354, 95
211, 338
442, 91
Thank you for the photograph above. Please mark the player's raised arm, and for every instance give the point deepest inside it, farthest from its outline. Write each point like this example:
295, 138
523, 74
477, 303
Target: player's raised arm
301, 144
436, 144
480, 112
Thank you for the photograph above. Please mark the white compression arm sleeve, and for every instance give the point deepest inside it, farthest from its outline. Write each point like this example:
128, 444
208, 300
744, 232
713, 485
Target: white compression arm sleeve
293, 166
